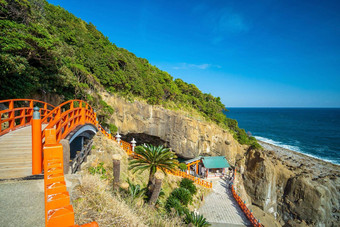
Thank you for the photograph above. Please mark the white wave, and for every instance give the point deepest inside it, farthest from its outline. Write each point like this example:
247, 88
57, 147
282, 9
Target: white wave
294, 148
279, 144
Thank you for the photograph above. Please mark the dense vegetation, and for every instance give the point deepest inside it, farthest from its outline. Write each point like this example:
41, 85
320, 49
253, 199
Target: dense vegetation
45, 49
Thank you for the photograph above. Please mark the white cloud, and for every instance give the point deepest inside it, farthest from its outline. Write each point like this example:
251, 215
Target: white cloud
195, 66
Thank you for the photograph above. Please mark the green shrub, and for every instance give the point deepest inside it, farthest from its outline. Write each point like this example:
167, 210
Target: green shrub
182, 166
195, 219
135, 190
113, 128
182, 194
174, 203
188, 184
99, 170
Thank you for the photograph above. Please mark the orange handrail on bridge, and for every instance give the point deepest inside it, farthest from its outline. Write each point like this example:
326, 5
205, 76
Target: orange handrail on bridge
67, 116
17, 113
60, 120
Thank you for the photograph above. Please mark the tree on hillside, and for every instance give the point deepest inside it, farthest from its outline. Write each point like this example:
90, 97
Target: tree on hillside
151, 158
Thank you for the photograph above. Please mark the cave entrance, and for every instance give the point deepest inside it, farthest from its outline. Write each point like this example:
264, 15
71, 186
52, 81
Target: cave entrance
142, 138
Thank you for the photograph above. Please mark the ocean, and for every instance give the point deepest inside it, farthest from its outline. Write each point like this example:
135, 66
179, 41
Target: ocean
311, 131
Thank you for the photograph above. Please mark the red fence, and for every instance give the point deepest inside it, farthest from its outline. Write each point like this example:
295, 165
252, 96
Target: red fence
244, 208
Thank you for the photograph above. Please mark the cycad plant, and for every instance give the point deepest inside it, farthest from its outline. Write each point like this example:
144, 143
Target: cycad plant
151, 158
195, 219
135, 190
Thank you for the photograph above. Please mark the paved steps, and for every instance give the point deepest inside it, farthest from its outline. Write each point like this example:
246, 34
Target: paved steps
16, 154
221, 209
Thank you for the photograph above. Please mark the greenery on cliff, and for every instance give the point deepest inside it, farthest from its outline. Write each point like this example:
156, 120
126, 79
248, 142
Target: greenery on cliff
45, 49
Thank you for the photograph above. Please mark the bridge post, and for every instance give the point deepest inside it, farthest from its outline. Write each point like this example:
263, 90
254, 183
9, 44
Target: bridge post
36, 142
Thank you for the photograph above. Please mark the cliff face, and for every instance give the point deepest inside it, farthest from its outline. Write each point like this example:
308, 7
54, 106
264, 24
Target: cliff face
188, 137
294, 189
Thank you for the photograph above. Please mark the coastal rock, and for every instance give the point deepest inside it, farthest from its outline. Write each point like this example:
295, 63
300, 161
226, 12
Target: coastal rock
282, 187
301, 196
187, 136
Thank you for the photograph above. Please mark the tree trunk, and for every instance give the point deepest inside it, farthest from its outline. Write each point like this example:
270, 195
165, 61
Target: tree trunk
116, 171
151, 183
157, 189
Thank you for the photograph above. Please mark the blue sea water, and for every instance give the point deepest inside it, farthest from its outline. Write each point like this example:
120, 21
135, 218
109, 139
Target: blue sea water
311, 131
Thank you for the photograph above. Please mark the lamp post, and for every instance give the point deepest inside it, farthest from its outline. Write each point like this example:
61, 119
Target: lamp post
118, 138
133, 144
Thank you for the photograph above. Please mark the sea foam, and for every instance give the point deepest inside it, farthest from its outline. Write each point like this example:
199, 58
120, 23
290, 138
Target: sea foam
295, 148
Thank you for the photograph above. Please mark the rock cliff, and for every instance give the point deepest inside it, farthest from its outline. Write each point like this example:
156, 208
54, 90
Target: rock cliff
282, 187
296, 189
188, 137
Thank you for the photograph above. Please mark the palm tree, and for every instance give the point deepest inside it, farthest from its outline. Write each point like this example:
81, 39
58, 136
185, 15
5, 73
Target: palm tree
149, 157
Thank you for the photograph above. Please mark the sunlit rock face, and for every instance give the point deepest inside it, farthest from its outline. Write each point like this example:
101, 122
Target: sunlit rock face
187, 136
280, 191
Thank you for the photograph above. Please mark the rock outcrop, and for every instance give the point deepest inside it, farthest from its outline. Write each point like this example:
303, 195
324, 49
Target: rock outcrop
282, 187
297, 190
188, 137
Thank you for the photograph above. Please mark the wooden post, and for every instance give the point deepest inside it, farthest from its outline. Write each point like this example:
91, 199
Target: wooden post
36, 143
116, 170
159, 176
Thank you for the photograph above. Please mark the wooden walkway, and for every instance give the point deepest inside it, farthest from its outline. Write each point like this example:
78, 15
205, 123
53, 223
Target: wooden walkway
221, 209
16, 154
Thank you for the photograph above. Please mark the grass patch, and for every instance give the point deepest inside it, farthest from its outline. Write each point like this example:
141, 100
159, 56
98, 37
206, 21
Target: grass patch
94, 199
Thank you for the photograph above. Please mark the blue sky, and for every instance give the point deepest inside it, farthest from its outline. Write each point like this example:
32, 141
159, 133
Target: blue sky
263, 53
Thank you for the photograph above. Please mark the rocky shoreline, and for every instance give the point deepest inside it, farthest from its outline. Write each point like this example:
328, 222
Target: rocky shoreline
298, 161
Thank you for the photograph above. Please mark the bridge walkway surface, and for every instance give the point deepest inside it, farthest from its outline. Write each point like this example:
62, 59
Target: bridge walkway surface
16, 154
221, 209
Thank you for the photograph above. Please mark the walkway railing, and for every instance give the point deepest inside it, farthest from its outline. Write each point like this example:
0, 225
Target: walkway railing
246, 211
60, 120
67, 116
17, 113
128, 148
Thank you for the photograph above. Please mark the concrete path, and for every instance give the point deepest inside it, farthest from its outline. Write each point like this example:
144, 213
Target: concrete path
220, 208
22, 203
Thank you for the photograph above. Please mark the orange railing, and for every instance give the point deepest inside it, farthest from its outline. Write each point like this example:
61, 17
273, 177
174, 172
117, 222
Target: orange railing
196, 180
128, 148
18, 113
67, 116
60, 121
244, 208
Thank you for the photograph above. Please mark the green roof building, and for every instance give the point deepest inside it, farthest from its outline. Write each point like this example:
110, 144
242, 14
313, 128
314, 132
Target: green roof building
208, 167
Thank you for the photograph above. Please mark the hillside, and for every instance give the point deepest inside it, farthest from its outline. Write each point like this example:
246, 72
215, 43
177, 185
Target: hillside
47, 50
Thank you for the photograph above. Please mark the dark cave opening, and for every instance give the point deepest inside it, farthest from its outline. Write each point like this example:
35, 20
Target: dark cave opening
142, 138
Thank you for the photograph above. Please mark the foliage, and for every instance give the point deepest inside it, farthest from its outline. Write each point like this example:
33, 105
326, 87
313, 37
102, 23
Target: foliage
182, 166
45, 49
99, 170
183, 195
188, 184
152, 157
135, 190
195, 219
174, 203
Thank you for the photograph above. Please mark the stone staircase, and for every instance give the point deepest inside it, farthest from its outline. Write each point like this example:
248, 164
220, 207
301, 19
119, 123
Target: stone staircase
16, 154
